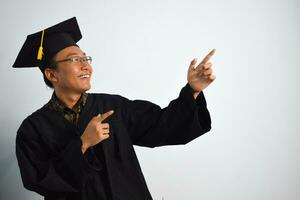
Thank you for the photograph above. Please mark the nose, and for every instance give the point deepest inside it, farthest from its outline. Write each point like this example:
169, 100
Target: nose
86, 66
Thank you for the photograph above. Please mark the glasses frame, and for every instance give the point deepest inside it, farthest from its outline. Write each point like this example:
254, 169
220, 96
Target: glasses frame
82, 59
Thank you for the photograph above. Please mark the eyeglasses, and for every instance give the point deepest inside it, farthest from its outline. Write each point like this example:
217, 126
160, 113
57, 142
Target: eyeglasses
76, 59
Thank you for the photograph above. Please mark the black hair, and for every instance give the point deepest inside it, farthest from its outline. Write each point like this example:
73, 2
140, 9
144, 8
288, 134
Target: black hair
52, 65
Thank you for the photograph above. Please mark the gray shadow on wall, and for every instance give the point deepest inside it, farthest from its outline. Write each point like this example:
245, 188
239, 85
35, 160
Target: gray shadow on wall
11, 187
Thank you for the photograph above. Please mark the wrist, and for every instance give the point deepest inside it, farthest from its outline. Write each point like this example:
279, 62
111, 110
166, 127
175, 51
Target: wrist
84, 146
83, 149
193, 91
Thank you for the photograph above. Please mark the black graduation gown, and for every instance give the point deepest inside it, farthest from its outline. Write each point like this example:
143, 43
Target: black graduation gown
48, 147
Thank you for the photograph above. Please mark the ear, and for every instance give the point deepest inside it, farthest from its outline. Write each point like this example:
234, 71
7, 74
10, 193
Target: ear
50, 75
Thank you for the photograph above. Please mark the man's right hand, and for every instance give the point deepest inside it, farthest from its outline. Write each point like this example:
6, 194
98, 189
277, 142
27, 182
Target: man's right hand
96, 131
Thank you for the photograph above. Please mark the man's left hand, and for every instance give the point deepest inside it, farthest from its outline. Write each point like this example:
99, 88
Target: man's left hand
200, 76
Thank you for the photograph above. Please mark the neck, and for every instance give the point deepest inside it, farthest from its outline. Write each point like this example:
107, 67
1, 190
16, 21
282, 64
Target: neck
69, 99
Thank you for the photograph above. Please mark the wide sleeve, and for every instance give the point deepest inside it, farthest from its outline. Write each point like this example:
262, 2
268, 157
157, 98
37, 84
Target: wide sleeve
49, 174
183, 120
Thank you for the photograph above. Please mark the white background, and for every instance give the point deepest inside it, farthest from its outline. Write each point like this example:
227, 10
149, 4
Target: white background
141, 50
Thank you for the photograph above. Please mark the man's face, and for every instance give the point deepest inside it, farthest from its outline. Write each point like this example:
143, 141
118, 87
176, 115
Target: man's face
73, 77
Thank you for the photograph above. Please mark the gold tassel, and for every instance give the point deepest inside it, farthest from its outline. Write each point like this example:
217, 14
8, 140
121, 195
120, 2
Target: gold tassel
40, 52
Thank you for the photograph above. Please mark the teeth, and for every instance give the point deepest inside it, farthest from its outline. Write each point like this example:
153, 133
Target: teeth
84, 76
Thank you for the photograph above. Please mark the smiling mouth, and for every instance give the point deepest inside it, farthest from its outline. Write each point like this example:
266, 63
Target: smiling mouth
84, 76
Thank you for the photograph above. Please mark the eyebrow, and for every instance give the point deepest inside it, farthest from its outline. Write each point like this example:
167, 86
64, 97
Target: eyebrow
73, 54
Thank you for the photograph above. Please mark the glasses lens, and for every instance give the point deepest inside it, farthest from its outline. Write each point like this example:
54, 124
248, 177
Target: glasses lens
75, 59
88, 59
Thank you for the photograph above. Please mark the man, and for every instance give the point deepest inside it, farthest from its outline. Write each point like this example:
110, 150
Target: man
67, 150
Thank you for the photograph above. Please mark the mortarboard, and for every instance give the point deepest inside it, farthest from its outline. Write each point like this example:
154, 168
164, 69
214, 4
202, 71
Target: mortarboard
39, 48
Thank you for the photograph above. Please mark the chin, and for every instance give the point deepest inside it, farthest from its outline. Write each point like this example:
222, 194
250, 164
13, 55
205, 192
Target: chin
86, 88
81, 89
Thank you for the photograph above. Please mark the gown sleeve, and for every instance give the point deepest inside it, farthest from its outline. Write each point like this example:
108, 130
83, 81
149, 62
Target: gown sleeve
183, 120
47, 174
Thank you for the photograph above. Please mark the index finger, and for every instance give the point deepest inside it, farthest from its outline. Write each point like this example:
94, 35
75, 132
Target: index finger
208, 56
106, 115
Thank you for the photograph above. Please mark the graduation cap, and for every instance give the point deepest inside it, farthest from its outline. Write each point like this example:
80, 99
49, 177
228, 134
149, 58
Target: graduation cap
39, 48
